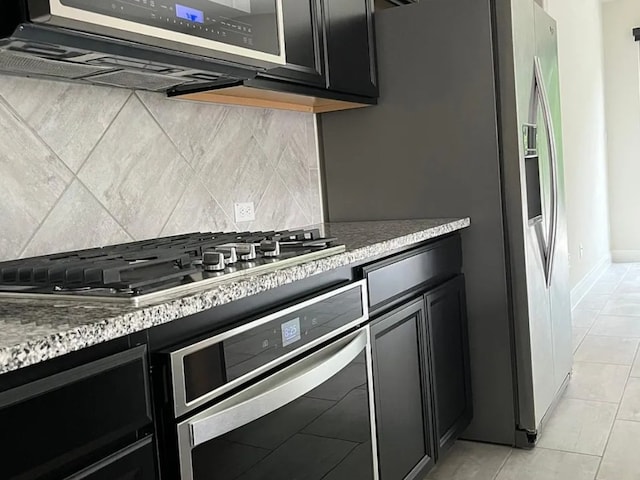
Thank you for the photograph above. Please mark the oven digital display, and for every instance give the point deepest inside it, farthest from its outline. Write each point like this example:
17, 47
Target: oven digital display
290, 331
189, 13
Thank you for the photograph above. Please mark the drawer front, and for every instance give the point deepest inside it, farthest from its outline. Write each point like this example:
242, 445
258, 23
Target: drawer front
54, 426
133, 463
395, 276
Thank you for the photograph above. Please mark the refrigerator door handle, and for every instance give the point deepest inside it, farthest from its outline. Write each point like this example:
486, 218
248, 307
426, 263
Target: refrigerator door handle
543, 99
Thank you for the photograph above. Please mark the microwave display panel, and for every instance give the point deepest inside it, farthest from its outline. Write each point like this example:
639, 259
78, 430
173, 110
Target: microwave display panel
251, 24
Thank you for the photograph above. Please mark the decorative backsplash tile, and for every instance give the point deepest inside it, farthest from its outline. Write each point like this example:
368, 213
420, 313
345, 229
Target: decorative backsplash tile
136, 172
69, 118
84, 166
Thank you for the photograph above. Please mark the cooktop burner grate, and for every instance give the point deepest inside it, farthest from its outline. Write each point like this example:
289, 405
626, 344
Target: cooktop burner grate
164, 264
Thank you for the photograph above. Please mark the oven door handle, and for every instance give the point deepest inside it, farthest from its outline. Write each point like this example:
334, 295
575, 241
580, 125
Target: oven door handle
275, 391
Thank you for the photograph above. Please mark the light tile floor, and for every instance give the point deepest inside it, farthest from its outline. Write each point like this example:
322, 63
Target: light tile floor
594, 433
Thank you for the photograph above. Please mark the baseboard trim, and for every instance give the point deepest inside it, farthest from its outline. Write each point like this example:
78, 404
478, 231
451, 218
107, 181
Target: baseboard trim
625, 256
580, 290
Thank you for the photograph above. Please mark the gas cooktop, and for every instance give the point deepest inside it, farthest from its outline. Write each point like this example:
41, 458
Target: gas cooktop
160, 269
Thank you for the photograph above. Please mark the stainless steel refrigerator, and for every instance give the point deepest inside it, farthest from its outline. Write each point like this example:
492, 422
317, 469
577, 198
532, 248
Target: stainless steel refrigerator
469, 123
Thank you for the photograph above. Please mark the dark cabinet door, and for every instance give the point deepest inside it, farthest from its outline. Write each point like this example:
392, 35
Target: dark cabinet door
448, 341
350, 46
401, 392
303, 44
133, 463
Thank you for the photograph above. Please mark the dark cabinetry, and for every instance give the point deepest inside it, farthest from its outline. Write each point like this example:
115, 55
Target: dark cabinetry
421, 361
133, 463
330, 44
331, 62
448, 345
350, 46
402, 396
304, 43
62, 423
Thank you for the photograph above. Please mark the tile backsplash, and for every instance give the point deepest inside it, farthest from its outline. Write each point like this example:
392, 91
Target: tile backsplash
84, 166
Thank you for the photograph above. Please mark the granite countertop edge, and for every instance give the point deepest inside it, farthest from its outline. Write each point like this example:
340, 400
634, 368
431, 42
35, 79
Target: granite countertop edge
117, 321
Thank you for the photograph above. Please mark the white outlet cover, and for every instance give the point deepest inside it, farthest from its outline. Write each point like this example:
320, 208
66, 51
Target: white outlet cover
244, 212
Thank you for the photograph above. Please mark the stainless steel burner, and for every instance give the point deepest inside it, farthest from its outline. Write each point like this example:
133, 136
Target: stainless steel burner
160, 269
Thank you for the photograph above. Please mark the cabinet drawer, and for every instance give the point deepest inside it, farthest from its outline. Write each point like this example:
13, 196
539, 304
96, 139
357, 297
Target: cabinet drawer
56, 425
132, 463
397, 275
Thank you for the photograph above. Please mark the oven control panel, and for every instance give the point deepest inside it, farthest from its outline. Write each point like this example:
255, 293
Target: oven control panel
216, 365
251, 24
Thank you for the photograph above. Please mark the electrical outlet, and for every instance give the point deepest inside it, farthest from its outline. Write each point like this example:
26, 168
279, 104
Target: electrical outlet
244, 212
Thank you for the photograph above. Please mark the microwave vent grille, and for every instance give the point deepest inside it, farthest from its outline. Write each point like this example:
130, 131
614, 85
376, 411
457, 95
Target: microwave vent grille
31, 65
138, 80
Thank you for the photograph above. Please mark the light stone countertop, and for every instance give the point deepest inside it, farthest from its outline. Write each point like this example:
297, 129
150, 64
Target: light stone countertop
35, 331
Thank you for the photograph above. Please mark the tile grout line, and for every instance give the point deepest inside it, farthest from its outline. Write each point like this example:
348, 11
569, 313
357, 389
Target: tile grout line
589, 329
630, 337
178, 150
615, 417
44, 219
124, 228
274, 171
33, 131
598, 311
26, 125
75, 177
195, 171
606, 402
278, 159
189, 163
619, 314
636, 356
175, 207
275, 165
95, 145
166, 134
213, 197
591, 400
302, 209
259, 202
230, 218
608, 363
569, 452
504, 462
575, 350
86, 187
313, 189
295, 200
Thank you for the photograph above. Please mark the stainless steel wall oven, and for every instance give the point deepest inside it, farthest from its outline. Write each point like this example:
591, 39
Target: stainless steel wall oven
286, 396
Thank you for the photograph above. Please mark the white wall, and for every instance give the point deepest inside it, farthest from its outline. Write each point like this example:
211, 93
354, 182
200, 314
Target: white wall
583, 124
622, 90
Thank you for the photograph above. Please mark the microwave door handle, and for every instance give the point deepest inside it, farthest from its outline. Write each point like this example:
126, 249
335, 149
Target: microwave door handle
275, 391
553, 158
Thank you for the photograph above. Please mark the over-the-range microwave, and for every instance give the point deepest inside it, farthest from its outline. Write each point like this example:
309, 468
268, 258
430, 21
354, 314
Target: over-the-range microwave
145, 44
